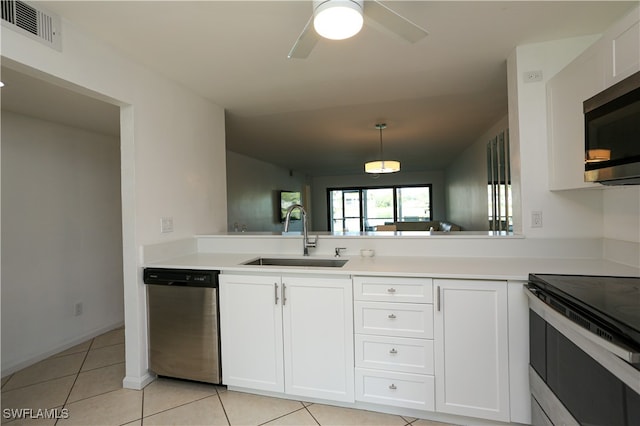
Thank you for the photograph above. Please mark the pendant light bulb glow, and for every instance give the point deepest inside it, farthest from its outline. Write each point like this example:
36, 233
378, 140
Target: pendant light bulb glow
382, 166
337, 19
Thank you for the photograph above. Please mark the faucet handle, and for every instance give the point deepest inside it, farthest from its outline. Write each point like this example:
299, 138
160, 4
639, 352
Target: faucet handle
338, 250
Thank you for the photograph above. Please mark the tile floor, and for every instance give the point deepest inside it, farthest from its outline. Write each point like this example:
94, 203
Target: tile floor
83, 386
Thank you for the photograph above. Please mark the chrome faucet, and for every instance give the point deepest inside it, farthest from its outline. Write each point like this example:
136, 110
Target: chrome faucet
306, 242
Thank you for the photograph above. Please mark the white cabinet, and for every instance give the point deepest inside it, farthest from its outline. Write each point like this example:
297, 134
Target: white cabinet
394, 341
566, 91
612, 58
288, 334
471, 348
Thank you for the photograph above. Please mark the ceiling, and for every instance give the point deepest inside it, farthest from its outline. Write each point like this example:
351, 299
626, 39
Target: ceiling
318, 114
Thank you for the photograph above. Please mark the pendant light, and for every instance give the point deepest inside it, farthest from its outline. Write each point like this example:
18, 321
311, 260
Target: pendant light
337, 19
382, 166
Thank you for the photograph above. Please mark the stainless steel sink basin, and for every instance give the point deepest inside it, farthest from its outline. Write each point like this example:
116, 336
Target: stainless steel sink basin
276, 261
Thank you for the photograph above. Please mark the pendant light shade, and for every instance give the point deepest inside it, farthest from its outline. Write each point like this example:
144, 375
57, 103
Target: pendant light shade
382, 166
337, 19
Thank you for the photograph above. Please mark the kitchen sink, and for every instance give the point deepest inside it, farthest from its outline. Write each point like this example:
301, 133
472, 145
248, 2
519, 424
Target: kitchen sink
278, 261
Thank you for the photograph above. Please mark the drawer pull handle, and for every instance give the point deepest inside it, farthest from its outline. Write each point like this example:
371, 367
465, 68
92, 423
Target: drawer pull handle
391, 290
392, 386
391, 316
393, 351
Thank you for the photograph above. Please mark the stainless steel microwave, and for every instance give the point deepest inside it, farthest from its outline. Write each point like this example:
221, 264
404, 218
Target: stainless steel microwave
612, 134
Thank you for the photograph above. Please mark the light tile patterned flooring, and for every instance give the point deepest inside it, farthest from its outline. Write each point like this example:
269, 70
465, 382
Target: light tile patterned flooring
85, 382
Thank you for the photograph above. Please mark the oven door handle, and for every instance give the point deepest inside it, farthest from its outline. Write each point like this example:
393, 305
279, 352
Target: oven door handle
627, 354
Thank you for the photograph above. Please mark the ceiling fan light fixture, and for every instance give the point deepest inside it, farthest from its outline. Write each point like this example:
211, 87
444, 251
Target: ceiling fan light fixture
381, 166
337, 19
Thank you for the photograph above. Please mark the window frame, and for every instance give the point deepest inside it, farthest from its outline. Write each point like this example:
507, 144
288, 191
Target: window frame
361, 190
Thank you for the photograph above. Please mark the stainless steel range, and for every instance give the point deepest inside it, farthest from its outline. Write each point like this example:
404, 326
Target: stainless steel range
584, 349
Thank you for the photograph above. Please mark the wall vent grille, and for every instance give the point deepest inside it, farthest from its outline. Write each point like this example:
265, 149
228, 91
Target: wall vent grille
35, 23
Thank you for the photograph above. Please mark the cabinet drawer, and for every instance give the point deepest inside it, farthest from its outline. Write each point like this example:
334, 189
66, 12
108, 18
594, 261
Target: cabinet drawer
397, 389
394, 319
394, 353
393, 289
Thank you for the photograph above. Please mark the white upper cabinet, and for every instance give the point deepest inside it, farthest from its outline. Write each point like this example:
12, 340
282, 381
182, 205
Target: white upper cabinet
612, 58
566, 92
623, 48
472, 348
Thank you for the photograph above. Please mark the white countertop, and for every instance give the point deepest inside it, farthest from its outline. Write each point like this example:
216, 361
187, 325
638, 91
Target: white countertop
503, 268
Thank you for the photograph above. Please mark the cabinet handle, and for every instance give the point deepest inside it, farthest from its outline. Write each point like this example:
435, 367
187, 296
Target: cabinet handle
275, 290
284, 294
392, 386
393, 351
438, 300
391, 316
391, 290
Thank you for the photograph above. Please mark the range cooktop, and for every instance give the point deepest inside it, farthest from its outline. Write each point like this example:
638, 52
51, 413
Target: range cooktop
612, 300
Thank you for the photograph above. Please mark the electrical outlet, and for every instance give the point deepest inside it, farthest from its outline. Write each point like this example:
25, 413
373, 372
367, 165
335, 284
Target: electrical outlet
532, 76
166, 224
78, 308
536, 219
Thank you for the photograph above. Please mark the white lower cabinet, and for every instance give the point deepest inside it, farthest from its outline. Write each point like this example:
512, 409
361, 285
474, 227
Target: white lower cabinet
471, 348
288, 334
394, 341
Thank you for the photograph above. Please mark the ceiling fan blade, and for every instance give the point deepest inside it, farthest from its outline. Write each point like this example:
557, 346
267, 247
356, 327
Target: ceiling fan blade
392, 21
305, 42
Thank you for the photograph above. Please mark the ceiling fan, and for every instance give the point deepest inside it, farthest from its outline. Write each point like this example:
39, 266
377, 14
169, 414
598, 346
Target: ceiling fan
325, 19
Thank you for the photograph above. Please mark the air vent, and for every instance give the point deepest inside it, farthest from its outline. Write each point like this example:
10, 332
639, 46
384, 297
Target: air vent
578, 319
604, 334
32, 22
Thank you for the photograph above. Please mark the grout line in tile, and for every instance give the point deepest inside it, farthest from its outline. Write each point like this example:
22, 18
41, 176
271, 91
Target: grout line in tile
178, 406
102, 366
76, 379
224, 410
144, 391
105, 346
285, 415
311, 414
37, 383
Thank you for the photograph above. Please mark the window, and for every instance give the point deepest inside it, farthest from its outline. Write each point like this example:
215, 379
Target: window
362, 209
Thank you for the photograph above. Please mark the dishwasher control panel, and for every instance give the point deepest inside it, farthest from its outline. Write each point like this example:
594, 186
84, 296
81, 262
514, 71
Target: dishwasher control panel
181, 277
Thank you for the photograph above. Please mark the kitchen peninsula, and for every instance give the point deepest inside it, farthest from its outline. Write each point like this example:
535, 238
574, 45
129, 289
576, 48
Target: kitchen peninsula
402, 322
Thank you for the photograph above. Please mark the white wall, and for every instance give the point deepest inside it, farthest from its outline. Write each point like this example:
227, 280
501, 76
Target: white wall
61, 237
320, 184
172, 156
467, 203
253, 193
566, 214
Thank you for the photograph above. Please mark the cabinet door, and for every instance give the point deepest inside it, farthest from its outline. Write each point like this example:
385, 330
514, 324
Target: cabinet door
471, 348
318, 338
251, 332
566, 92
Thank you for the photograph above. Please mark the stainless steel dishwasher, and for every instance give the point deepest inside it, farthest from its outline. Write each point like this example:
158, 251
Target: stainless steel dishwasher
183, 318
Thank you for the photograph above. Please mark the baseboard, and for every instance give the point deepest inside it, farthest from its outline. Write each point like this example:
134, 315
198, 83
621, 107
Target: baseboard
138, 383
63, 347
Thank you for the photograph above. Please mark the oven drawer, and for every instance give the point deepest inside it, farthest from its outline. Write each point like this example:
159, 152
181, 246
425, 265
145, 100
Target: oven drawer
396, 389
394, 319
393, 289
394, 353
